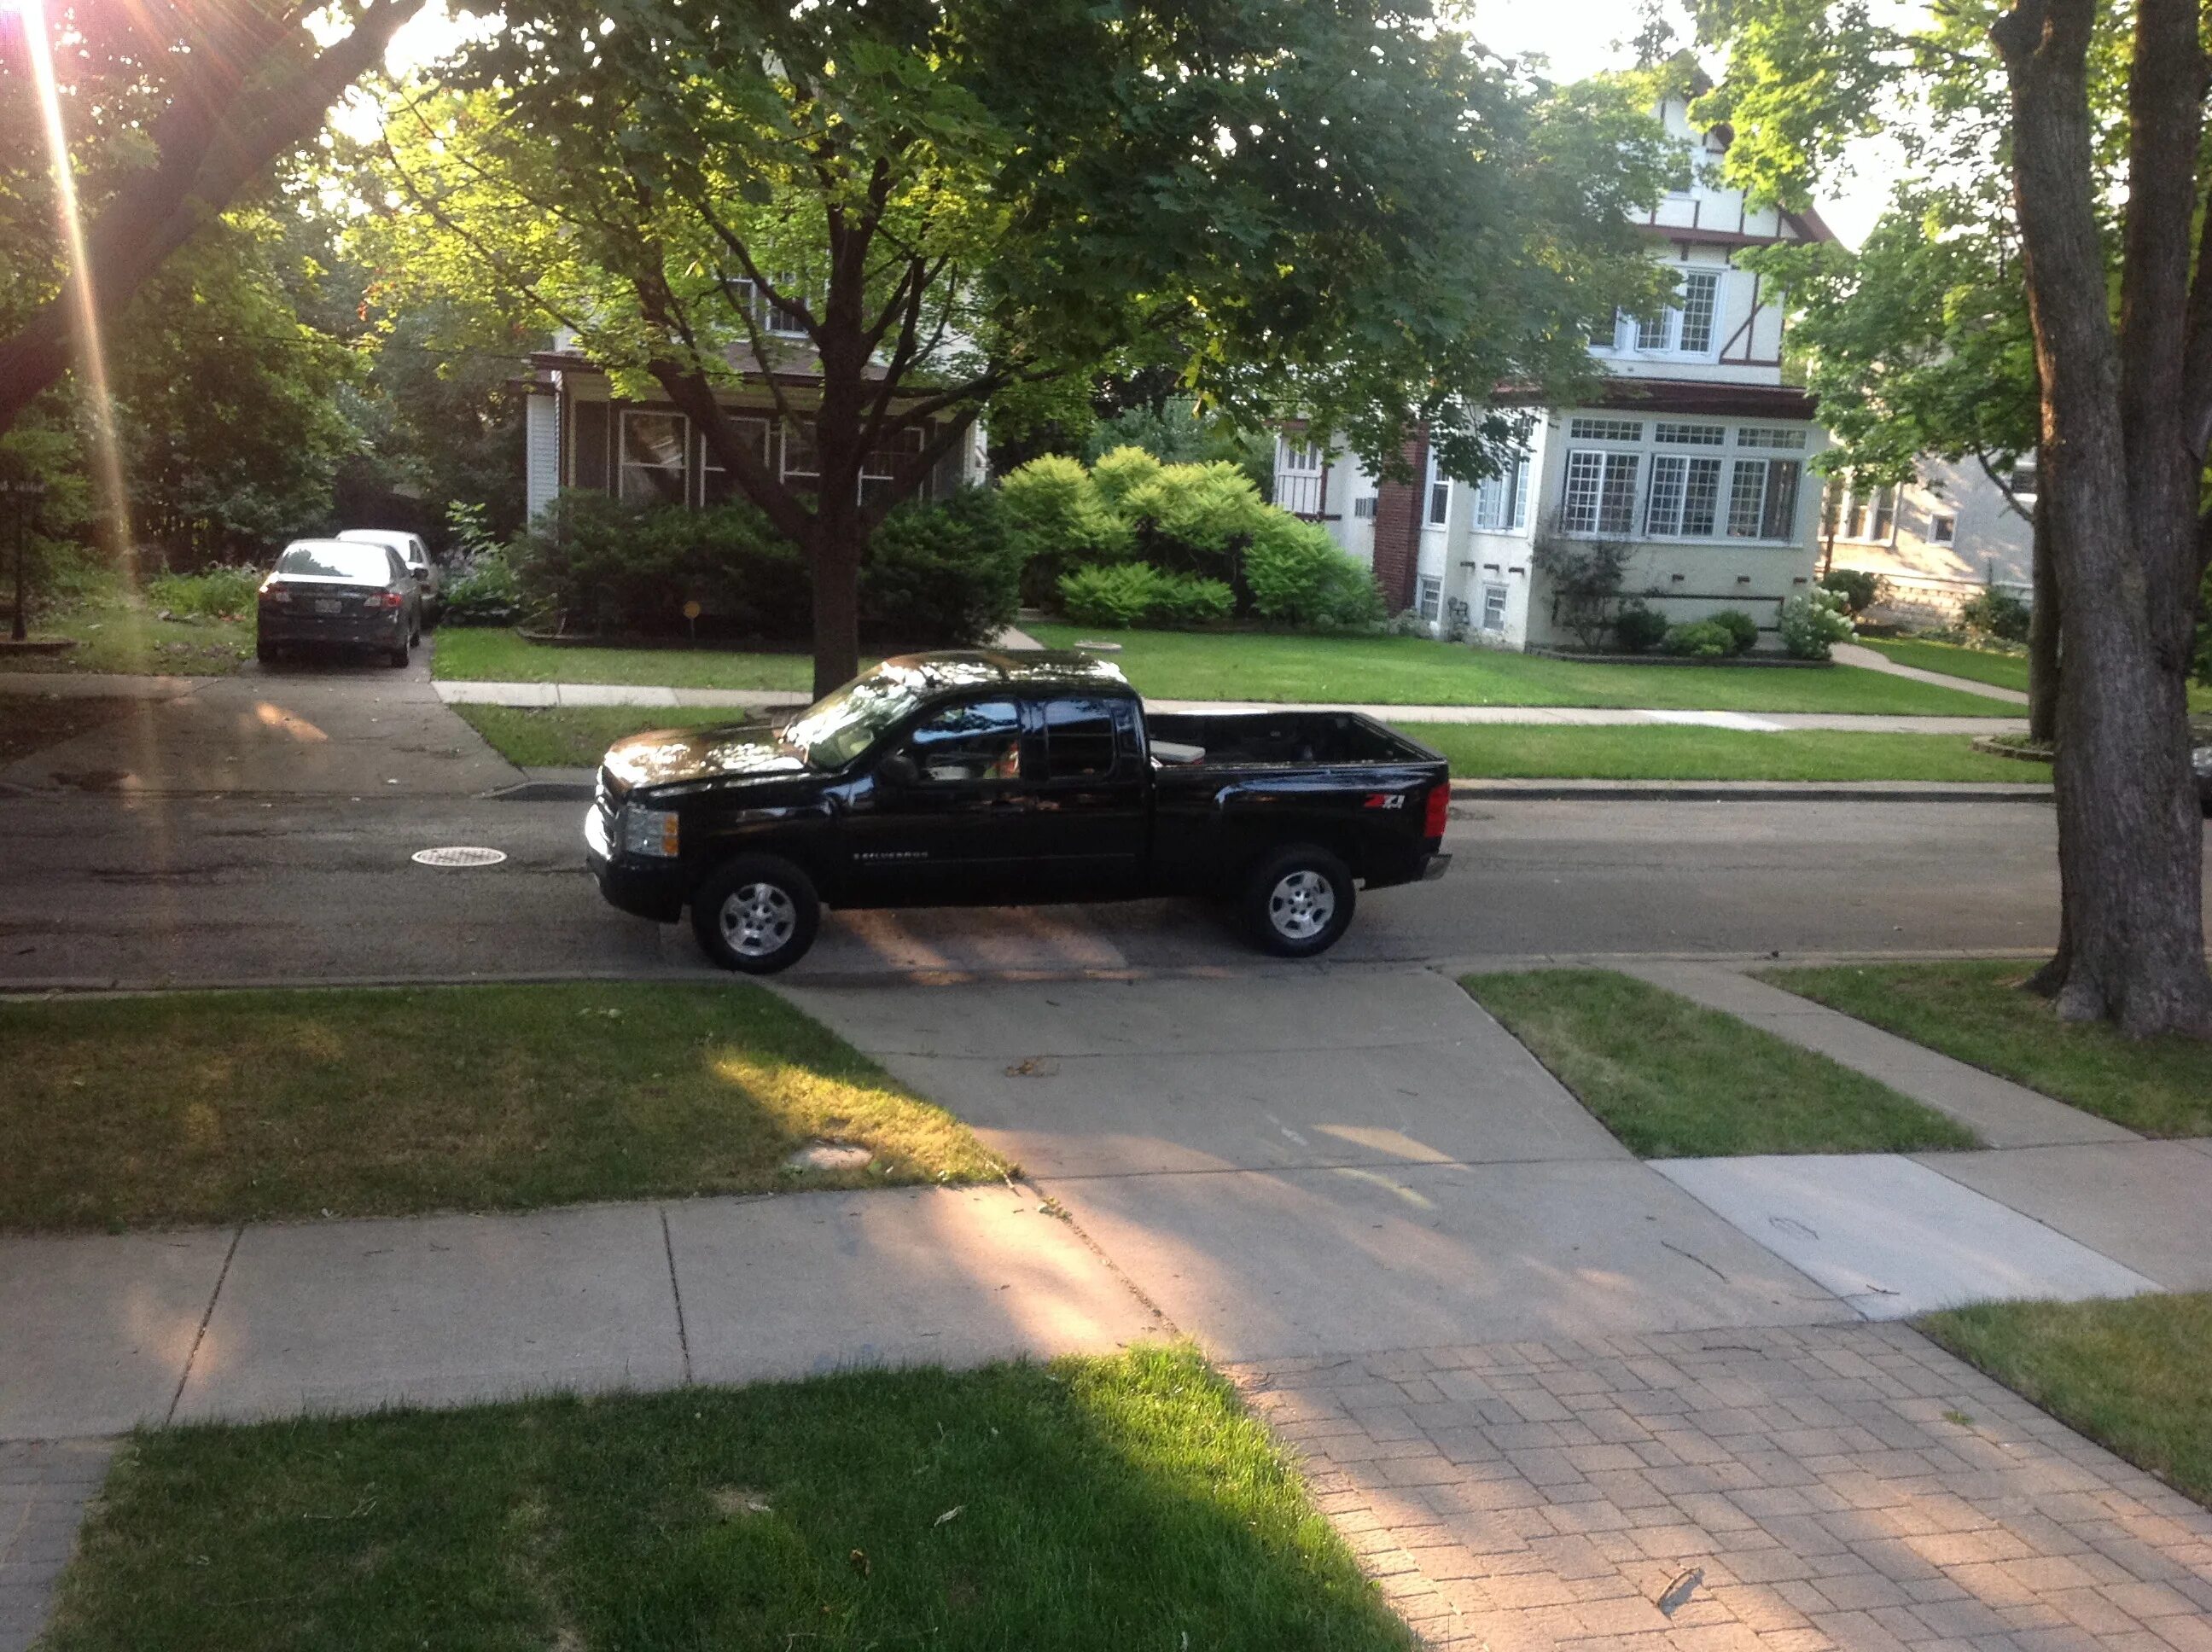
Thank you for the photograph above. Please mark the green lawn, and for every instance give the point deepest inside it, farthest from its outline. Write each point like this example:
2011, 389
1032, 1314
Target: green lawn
1657, 752
1975, 1012
1977, 665
31, 722
1984, 664
206, 1107
1674, 1079
1412, 670
474, 654
2131, 1374
1089, 1506
122, 635
576, 736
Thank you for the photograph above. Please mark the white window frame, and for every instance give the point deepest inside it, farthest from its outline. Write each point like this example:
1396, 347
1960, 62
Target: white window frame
1435, 498
624, 465
1495, 599
1299, 468
1680, 476
776, 320
1679, 329
1868, 517
709, 466
1501, 501
1942, 528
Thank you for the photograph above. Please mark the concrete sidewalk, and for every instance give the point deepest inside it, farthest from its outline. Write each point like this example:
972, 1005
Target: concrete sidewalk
1873, 659
548, 695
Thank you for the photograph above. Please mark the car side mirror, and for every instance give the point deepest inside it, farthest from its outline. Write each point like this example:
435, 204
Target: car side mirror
898, 769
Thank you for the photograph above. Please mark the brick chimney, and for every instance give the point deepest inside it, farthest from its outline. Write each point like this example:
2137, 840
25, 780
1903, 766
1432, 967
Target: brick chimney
1398, 529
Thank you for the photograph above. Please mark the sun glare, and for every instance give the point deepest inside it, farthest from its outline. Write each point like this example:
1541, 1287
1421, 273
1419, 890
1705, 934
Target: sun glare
84, 308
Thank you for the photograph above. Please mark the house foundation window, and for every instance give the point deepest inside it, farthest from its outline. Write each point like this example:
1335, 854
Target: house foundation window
1430, 602
655, 449
1493, 608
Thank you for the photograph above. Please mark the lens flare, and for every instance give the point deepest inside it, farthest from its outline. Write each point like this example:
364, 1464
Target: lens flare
83, 305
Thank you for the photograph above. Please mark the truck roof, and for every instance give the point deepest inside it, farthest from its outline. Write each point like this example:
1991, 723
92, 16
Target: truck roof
1016, 668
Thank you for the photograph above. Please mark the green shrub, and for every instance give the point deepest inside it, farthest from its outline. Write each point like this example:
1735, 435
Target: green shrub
1741, 627
1813, 622
940, 574
1117, 594
485, 592
1998, 612
1196, 519
1639, 629
1056, 517
217, 593
1122, 471
592, 563
1860, 588
1298, 574
2202, 667
1182, 599
1700, 640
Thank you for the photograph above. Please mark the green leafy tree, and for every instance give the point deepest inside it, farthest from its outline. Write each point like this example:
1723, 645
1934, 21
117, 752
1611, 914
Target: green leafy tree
942, 203
2098, 116
175, 110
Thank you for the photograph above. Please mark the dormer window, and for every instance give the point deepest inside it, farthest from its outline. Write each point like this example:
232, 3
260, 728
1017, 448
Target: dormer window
777, 320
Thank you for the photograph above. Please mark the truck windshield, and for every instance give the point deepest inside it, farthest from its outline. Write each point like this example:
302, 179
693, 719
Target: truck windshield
840, 726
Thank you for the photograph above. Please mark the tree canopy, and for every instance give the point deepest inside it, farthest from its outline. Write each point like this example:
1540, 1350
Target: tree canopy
926, 206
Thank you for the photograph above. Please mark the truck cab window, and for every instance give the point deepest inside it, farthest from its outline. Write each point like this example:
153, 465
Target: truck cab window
961, 745
1078, 739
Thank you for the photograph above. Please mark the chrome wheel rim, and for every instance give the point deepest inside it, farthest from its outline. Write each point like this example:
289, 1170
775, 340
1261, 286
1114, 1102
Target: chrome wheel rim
758, 920
1301, 905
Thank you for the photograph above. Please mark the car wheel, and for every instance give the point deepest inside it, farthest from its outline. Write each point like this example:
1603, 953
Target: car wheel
1299, 901
397, 658
757, 914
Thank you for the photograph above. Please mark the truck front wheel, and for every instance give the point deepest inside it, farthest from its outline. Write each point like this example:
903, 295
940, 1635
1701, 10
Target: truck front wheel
757, 913
1298, 900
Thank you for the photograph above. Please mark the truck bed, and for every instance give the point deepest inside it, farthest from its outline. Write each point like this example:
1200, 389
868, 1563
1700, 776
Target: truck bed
1284, 739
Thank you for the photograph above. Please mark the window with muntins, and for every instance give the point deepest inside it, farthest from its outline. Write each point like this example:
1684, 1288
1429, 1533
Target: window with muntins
1665, 488
1684, 328
1600, 496
654, 446
1501, 501
1439, 496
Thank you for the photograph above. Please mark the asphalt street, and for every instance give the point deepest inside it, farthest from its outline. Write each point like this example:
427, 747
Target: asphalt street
104, 890
260, 829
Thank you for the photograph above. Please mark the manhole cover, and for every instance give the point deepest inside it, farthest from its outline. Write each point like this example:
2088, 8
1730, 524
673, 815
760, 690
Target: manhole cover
460, 855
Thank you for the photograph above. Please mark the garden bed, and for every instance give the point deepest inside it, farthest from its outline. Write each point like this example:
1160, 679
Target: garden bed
1768, 661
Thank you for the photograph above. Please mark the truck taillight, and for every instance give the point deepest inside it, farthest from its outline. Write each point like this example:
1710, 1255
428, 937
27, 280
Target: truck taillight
1439, 809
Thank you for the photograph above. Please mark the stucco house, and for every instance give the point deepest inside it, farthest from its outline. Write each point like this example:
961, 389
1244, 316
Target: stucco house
1938, 540
1691, 449
578, 433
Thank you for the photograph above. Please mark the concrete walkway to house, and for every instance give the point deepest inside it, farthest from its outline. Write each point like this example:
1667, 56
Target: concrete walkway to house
1873, 659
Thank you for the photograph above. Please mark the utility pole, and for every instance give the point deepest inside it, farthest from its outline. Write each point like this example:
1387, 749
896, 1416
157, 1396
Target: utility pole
27, 495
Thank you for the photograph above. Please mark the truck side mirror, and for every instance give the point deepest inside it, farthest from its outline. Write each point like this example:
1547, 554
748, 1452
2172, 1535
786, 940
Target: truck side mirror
898, 769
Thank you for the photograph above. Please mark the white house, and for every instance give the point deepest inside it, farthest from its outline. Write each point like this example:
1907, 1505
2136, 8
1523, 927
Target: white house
1936, 541
1693, 450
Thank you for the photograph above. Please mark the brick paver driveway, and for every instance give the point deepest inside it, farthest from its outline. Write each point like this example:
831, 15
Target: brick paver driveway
1850, 1487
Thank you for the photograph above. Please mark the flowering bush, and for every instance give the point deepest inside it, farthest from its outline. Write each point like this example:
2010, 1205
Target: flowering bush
1813, 622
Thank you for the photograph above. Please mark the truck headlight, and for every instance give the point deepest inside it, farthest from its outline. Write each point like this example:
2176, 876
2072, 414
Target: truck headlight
649, 831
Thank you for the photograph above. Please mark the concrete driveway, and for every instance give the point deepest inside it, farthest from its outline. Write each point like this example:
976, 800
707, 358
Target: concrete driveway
1322, 1162
339, 726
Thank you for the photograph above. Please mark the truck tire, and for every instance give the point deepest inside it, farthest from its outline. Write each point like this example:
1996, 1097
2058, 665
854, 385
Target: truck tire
756, 915
1298, 900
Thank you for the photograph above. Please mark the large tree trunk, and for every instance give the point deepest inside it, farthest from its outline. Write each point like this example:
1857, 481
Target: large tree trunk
833, 553
2043, 629
2120, 488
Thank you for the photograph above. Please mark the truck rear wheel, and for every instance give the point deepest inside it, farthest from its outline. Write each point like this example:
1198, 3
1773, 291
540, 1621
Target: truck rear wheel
1298, 901
756, 915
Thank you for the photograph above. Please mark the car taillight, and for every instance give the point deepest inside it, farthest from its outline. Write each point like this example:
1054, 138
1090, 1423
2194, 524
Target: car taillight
394, 599
274, 593
1438, 812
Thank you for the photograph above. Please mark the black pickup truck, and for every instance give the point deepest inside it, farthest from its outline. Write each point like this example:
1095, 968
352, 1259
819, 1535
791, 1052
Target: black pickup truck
985, 778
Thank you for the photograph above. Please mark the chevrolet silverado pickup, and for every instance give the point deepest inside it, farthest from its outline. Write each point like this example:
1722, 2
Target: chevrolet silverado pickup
990, 778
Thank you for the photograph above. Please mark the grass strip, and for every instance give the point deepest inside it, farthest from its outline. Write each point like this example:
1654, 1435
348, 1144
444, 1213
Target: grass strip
1975, 1012
127, 638
226, 1107
1662, 752
1099, 1503
1998, 669
578, 736
1415, 670
2130, 1374
477, 654
1674, 1079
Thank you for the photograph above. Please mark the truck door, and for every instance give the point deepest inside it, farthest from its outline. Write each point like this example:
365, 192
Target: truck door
1090, 817
946, 817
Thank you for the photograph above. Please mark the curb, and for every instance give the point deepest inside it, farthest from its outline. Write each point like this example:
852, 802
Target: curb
1754, 790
